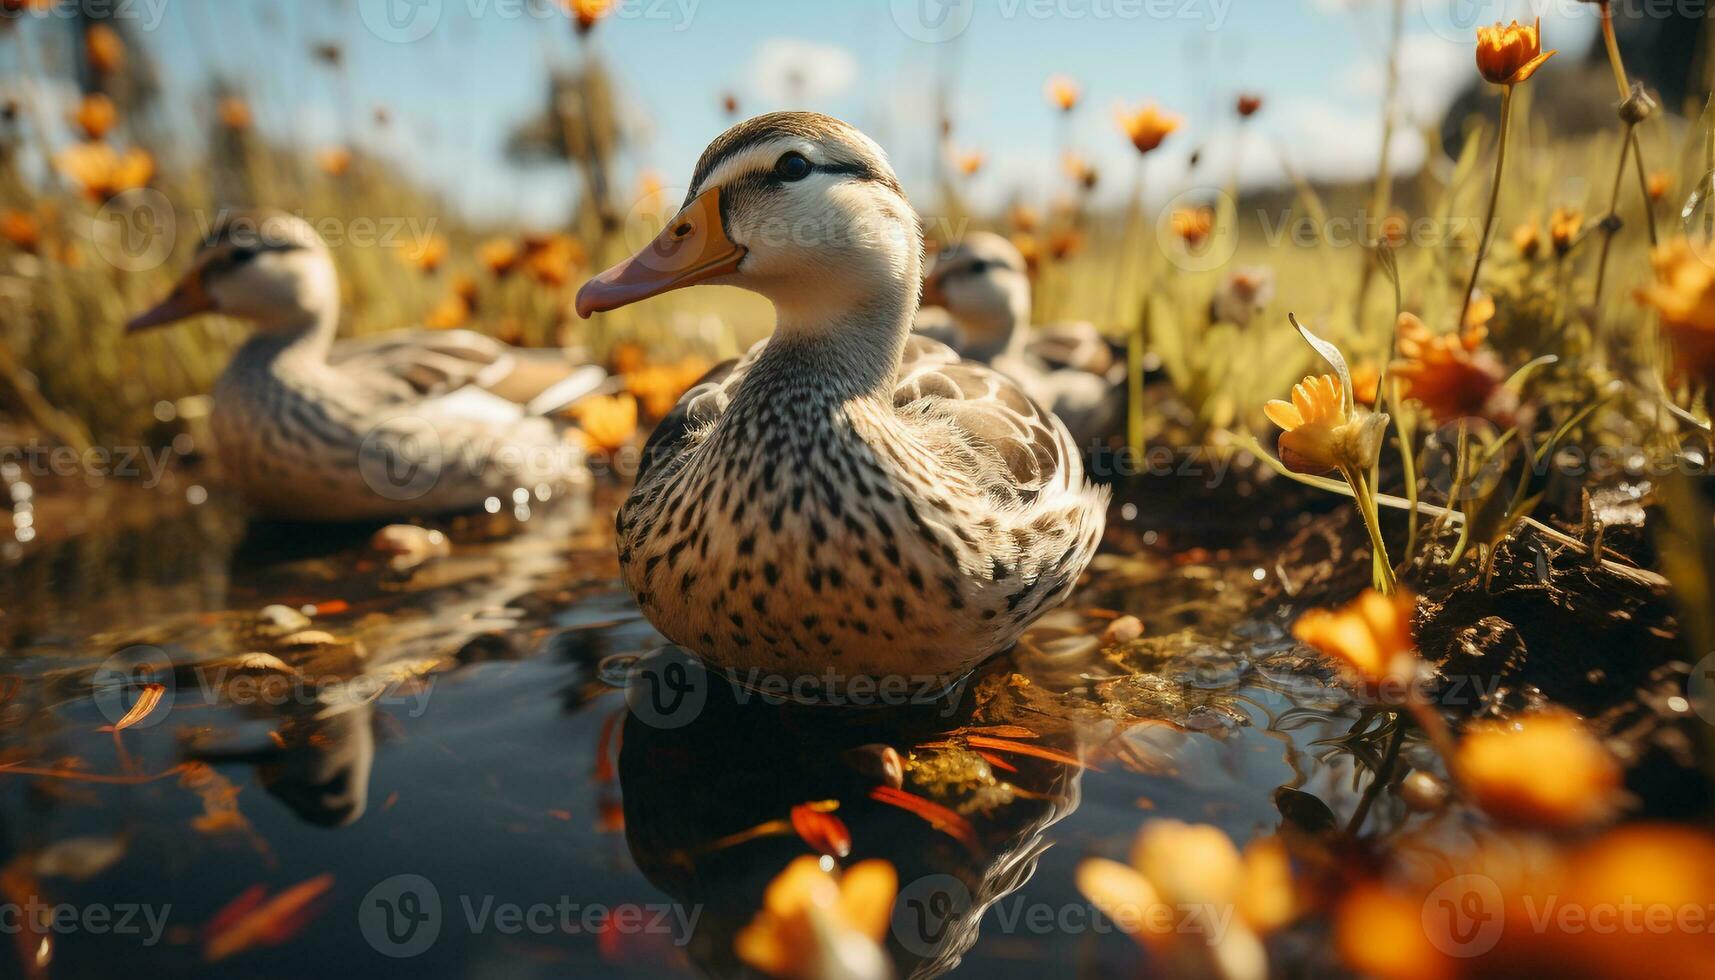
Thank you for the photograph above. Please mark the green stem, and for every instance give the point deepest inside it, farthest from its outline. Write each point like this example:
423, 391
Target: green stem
1494, 200
1608, 226
1360, 484
1625, 86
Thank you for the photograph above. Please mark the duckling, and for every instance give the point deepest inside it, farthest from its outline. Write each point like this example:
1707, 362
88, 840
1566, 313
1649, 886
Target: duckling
983, 284
845, 498
405, 423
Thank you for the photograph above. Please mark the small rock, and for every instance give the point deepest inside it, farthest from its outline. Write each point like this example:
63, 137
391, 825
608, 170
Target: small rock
878, 762
410, 545
263, 663
1423, 792
309, 638
281, 619
1122, 630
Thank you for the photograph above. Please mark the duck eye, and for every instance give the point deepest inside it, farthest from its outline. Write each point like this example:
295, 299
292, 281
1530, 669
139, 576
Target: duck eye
793, 166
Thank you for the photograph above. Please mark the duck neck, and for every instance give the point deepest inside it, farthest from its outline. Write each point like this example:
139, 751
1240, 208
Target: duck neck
991, 332
847, 336
301, 340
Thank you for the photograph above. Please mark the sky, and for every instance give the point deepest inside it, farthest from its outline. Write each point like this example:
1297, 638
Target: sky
459, 75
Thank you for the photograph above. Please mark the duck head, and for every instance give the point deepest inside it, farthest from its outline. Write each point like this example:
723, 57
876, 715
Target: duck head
797, 206
270, 268
982, 281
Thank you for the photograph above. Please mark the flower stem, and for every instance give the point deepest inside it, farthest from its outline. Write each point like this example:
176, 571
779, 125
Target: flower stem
1608, 226
1625, 86
1494, 200
1360, 484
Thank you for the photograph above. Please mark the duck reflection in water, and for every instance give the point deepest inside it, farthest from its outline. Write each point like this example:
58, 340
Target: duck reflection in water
711, 774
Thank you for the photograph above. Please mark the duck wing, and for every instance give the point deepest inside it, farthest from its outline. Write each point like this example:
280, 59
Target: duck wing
697, 408
408, 365
984, 425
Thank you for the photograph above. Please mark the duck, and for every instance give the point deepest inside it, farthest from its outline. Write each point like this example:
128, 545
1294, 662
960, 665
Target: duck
845, 500
405, 423
983, 285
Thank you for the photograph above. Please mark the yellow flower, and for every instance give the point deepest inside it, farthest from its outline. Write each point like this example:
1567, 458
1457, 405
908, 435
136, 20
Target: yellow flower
1064, 92
234, 113
450, 313
1179, 870
1684, 297
334, 161
1193, 226
812, 925
1147, 126
1527, 238
1370, 636
1449, 373
1024, 218
1543, 769
970, 163
96, 115
499, 256
22, 229
104, 48
1511, 54
1320, 432
607, 423
101, 172
425, 253
551, 258
1563, 228
587, 12
1660, 183
660, 387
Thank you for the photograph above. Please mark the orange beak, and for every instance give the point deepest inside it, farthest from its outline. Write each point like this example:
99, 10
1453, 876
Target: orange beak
693, 248
187, 299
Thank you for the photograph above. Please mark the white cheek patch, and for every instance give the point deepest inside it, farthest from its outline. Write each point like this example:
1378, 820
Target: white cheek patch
760, 157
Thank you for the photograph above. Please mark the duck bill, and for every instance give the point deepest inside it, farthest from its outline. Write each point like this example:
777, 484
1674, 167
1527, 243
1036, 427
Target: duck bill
693, 248
186, 300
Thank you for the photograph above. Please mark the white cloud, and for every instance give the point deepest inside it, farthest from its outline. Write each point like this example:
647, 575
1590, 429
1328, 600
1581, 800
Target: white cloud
792, 71
1432, 72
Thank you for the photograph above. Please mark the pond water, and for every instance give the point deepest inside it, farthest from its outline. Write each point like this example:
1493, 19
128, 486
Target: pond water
438, 773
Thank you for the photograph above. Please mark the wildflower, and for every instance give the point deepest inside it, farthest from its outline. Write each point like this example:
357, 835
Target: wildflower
334, 161
96, 116
1249, 104
234, 113
1543, 769
22, 229
1063, 92
970, 163
328, 53
1193, 226
425, 253
659, 387
1030, 248
1177, 871
550, 259
729, 104
1241, 295
1147, 126
1370, 637
1366, 383
1563, 228
1660, 183
1024, 218
812, 924
1065, 243
1396, 230
1321, 432
1683, 295
1480, 312
606, 423
450, 313
1527, 238
627, 357
1511, 54
1450, 374
586, 12
104, 48
101, 172
499, 256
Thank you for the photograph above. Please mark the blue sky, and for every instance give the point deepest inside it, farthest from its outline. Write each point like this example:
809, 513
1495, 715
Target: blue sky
480, 65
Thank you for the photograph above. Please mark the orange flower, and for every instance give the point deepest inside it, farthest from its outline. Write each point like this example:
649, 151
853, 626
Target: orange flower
606, 423
1316, 426
550, 259
1660, 183
22, 229
96, 115
335, 161
1064, 244
104, 48
1542, 769
1082, 172
234, 113
1481, 311
1684, 297
1370, 636
1249, 104
1527, 238
1396, 230
1063, 92
1193, 226
729, 104
101, 172
660, 387
1028, 247
970, 163
1563, 228
1449, 374
1024, 218
1511, 54
450, 313
499, 256
587, 12
425, 253
810, 920
1147, 126
1177, 871
1366, 383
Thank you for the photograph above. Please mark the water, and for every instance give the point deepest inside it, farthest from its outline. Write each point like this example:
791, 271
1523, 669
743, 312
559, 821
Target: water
456, 750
